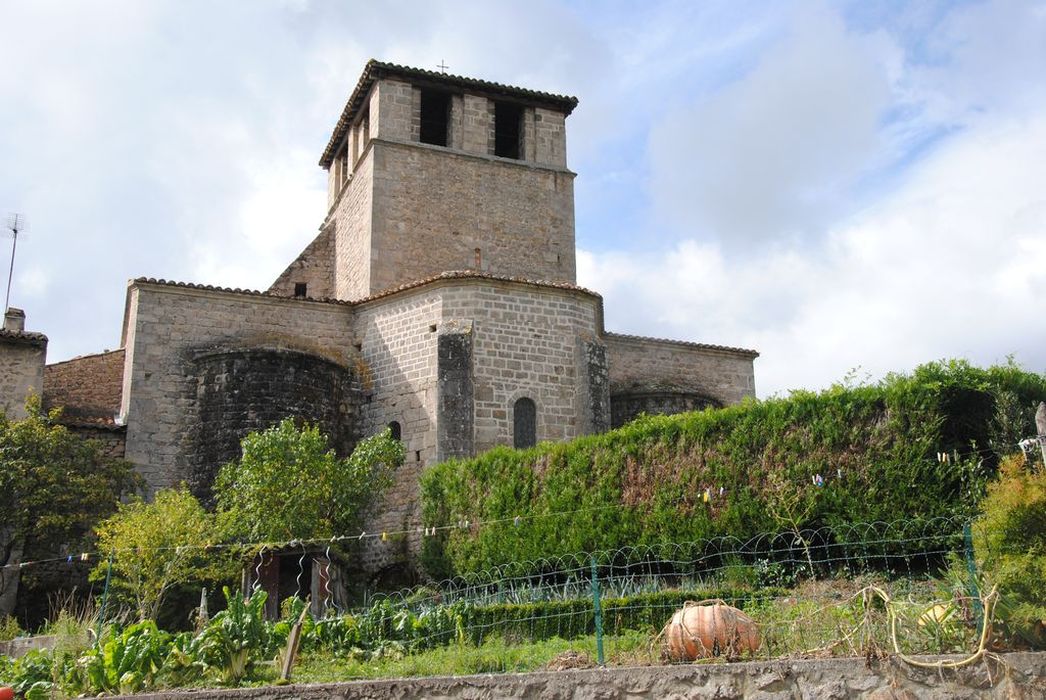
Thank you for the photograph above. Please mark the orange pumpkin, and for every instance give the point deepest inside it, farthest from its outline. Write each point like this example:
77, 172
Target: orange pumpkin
700, 631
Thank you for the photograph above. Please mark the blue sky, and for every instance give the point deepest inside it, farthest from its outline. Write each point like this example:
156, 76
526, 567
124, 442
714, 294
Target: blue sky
838, 185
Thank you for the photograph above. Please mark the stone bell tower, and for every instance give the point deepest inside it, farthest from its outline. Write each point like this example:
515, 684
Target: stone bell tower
430, 173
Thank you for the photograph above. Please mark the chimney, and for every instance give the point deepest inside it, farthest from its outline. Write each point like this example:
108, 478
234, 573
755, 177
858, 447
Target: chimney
14, 319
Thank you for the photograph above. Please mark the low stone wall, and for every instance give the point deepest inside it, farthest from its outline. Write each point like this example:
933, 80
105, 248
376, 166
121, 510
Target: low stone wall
20, 646
1018, 675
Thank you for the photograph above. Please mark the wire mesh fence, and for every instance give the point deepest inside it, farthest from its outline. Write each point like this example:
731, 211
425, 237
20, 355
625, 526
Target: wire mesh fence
905, 586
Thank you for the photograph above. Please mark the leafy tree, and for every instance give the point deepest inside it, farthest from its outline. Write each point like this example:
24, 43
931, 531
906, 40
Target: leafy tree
289, 484
54, 486
1010, 544
157, 546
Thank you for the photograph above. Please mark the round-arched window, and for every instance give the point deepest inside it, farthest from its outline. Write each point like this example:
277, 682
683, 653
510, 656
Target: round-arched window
397, 432
524, 423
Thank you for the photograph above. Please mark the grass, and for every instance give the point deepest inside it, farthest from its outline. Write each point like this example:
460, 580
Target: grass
820, 619
496, 655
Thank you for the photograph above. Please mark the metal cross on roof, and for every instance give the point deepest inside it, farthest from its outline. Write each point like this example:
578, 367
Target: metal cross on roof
443, 66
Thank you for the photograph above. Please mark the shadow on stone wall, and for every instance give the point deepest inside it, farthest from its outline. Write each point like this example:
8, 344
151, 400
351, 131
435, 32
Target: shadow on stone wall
628, 405
247, 390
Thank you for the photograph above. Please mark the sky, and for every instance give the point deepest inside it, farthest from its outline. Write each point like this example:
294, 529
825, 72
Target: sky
850, 188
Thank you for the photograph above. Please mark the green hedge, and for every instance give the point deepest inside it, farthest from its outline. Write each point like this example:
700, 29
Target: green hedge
876, 448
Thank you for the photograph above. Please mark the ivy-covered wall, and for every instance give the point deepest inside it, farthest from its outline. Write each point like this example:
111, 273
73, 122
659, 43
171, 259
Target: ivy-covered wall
847, 454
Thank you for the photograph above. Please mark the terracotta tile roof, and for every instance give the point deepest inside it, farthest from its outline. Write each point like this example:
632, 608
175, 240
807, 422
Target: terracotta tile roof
452, 275
686, 343
475, 275
375, 70
23, 336
88, 389
229, 290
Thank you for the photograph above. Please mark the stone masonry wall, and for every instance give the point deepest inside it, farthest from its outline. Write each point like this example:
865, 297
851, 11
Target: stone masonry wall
391, 110
455, 392
242, 391
410, 210
352, 219
522, 341
434, 208
526, 344
314, 267
112, 439
169, 325
86, 388
625, 407
22, 359
550, 138
648, 364
596, 385
476, 116
396, 337
1015, 675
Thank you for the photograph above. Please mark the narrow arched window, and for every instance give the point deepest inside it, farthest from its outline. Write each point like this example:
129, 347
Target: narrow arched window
524, 424
397, 432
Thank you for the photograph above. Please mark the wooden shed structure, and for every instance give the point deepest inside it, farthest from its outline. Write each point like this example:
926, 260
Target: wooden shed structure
316, 573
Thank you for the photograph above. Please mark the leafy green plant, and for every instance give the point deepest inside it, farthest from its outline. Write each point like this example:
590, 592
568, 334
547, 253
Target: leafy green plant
236, 637
127, 662
158, 545
32, 676
289, 483
54, 487
1010, 544
184, 662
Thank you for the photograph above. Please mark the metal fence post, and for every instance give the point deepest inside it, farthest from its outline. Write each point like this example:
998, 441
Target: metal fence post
598, 610
971, 569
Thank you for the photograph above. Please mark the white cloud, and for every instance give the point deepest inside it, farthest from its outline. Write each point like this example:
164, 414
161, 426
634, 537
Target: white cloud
953, 263
275, 219
773, 154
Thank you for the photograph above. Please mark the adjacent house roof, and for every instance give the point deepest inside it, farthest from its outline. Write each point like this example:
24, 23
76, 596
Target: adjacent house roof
375, 70
88, 389
27, 337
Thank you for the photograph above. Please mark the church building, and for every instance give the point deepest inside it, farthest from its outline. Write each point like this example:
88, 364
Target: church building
438, 298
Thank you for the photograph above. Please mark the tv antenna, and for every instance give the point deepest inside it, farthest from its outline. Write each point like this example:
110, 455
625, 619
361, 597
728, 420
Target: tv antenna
15, 224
